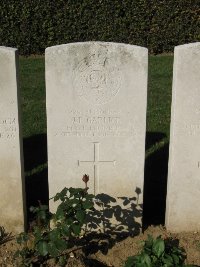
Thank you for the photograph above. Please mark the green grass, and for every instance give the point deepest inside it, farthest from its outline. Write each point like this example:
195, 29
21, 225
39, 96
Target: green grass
159, 93
32, 83
159, 98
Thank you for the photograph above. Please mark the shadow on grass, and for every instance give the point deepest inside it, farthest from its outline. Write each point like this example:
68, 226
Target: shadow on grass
36, 190
36, 184
155, 182
35, 151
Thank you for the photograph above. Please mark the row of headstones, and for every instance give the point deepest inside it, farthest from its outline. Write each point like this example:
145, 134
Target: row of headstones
96, 95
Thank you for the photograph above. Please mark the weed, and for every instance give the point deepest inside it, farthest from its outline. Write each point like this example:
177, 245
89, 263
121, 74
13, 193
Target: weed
158, 253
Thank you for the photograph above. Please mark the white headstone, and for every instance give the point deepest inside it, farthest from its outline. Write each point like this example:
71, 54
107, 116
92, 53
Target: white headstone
96, 117
11, 164
183, 193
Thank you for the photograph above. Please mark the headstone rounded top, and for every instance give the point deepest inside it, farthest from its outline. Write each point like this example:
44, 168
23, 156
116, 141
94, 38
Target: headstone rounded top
185, 46
96, 67
89, 43
8, 48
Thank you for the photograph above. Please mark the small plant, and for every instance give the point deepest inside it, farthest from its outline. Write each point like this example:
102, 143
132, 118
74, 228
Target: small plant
158, 253
55, 234
4, 236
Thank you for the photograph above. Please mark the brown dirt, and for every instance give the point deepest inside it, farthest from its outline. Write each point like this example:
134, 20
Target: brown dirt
114, 254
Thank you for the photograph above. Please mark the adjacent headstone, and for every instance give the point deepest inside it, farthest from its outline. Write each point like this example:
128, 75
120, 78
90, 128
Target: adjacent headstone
11, 163
183, 193
96, 118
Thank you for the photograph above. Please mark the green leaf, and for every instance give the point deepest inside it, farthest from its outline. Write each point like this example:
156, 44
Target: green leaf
145, 259
38, 234
87, 205
65, 230
148, 243
23, 237
60, 213
54, 234
89, 197
129, 262
42, 248
52, 249
168, 260
60, 244
158, 247
176, 259
61, 196
76, 229
74, 203
80, 215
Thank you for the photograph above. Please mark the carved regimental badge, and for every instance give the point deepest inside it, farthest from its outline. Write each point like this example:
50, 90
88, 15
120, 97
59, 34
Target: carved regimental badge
96, 79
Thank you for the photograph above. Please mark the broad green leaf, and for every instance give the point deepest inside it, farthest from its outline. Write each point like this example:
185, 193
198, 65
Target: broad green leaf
42, 248
54, 234
129, 262
72, 191
149, 242
89, 197
52, 249
38, 234
69, 221
60, 244
61, 195
168, 260
80, 215
145, 259
158, 247
87, 205
76, 229
176, 259
60, 213
65, 230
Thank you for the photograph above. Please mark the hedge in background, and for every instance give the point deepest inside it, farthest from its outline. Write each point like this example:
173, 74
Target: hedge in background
32, 25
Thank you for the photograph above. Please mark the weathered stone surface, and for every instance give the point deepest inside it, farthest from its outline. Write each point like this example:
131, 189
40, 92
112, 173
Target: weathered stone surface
96, 120
11, 159
183, 193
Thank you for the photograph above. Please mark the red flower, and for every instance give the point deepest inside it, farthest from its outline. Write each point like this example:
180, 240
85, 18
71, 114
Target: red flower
85, 178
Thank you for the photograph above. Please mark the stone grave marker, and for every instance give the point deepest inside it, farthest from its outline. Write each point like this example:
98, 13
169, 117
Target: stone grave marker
11, 158
96, 120
183, 192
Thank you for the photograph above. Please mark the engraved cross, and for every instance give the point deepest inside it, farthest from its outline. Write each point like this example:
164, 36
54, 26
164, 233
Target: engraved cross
96, 163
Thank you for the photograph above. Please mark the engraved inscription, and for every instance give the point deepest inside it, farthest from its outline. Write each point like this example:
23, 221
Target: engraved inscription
193, 129
7, 128
96, 162
97, 123
96, 80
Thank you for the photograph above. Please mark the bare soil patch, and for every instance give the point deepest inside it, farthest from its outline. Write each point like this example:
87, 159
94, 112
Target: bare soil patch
113, 253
